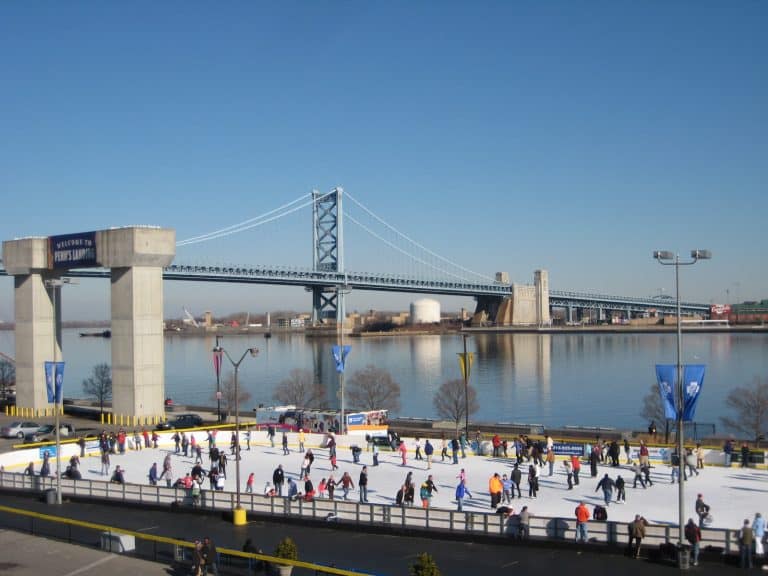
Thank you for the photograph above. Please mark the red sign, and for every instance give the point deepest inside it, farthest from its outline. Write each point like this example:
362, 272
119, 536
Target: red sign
720, 309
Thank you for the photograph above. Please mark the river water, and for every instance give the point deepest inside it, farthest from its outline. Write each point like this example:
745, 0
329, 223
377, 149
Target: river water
554, 380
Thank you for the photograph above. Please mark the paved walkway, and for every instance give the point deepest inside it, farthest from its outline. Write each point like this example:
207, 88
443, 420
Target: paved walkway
25, 555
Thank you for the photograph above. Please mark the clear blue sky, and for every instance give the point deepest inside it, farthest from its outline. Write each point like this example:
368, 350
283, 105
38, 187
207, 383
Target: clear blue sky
571, 136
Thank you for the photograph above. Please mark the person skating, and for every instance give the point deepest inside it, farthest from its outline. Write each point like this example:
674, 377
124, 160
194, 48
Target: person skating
607, 485
621, 495
702, 509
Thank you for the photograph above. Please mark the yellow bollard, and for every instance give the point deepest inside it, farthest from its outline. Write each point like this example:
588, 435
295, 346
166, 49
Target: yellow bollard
109, 418
102, 418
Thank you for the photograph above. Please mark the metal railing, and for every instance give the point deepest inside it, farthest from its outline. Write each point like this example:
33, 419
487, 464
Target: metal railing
145, 546
388, 517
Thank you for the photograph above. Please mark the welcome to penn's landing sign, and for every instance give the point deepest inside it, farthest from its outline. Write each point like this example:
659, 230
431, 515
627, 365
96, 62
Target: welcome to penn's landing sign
72, 250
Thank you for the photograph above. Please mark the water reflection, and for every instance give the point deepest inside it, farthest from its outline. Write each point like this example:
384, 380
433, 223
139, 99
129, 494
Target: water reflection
599, 379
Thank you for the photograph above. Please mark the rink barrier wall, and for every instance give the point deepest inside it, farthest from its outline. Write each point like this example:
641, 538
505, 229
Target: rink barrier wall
373, 516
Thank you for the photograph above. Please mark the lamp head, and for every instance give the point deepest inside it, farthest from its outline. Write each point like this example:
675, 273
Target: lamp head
663, 255
254, 351
701, 254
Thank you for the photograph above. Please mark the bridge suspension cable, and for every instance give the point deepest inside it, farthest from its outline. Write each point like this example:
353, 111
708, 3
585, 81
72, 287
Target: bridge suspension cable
401, 250
485, 277
270, 216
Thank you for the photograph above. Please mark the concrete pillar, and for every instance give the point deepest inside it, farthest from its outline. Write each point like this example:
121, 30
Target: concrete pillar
541, 284
136, 257
138, 367
27, 261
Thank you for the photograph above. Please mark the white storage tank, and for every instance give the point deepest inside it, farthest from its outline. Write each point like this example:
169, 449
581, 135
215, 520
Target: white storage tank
425, 311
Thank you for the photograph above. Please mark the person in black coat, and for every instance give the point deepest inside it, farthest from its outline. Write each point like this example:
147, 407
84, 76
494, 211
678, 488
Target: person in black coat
593, 463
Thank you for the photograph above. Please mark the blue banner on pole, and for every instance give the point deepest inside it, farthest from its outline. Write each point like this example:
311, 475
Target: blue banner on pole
693, 380
665, 376
340, 357
54, 381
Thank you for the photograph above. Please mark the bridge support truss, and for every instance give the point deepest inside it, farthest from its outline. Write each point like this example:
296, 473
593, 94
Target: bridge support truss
327, 254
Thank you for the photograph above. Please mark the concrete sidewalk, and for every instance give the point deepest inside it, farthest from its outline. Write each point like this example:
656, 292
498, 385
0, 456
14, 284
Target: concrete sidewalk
25, 555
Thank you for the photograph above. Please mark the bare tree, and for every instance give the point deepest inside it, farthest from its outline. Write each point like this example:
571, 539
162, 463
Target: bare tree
300, 389
451, 401
7, 378
99, 384
373, 389
228, 402
750, 404
653, 410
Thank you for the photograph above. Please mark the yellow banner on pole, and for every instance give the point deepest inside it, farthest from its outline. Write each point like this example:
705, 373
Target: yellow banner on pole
465, 365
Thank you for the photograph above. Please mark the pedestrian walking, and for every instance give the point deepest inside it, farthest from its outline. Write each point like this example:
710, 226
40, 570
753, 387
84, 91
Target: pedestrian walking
210, 556
638, 533
746, 538
375, 454
693, 536
285, 444
403, 452
418, 455
758, 529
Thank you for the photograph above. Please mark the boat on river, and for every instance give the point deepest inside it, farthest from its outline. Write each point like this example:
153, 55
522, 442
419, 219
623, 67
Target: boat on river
99, 334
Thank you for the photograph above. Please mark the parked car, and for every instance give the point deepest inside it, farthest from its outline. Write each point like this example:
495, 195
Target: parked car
19, 429
181, 421
47, 433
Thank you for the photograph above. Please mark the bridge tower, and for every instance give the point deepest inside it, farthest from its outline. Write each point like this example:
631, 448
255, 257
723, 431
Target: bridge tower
328, 254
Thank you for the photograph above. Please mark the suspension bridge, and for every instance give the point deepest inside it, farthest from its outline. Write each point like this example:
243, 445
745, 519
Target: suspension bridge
328, 279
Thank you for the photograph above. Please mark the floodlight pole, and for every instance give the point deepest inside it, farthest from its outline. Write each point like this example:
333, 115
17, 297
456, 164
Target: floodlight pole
666, 258
239, 516
55, 285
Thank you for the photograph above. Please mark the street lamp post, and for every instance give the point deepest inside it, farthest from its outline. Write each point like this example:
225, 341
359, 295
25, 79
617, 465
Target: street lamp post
238, 513
55, 284
341, 315
465, 363
217, 366
667, 258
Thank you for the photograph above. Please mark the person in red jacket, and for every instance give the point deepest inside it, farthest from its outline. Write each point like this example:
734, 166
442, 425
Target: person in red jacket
576, 466
582, 517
